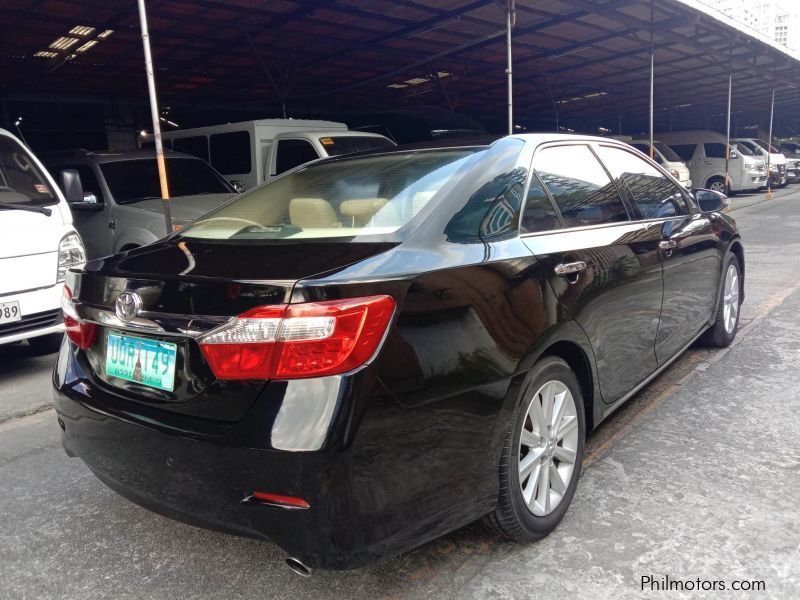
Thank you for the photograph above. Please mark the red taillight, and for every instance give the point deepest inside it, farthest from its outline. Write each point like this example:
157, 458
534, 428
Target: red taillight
299, 340
80, 332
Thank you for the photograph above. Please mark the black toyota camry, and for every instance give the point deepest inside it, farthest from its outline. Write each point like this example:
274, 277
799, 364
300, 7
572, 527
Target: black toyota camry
369, 352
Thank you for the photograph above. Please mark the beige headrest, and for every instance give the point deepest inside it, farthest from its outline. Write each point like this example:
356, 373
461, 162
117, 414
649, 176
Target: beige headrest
312, 212
361, 210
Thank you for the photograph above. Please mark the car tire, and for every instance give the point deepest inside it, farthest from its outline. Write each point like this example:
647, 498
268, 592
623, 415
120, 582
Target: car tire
718, 185
46, 344
520, 519
723, 331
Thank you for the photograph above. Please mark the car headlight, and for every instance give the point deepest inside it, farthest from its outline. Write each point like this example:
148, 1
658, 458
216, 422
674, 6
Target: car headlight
70, 254
749, 166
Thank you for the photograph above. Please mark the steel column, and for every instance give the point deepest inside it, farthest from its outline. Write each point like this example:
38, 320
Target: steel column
151, 87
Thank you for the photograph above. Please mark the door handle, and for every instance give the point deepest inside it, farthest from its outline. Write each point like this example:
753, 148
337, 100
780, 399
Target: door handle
667, 244
570, 268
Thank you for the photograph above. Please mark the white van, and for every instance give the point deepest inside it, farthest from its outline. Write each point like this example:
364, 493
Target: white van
777, 161
704, 155
250, 152
38, 244
665, 156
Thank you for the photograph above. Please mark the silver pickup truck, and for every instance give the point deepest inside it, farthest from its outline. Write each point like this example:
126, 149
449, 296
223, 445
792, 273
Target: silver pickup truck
120, 204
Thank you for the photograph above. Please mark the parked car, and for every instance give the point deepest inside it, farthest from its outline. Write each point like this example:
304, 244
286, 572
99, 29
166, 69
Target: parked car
37, 245
791, 151
369, 352
250, 152
120, 207
665, 156
704, 155
777, 161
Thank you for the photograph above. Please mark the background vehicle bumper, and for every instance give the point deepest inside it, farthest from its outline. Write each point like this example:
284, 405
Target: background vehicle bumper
41, 314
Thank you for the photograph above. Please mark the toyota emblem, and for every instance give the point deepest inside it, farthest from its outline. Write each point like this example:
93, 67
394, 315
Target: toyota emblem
128, 306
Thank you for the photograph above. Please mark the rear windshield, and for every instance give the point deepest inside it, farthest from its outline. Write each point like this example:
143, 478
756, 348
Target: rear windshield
21, 181
349, 198
338, 145
132, 180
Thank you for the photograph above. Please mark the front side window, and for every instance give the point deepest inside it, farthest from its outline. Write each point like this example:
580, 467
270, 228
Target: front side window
21, 181
685, 151
230, 152
132, 180
653, 195
293, 153
580, 186
714, 150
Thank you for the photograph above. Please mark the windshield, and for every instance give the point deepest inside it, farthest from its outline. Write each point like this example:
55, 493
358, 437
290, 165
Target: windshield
132, 180
767, 147
348, 144
743, 148
21, 181
790, 148
366, 196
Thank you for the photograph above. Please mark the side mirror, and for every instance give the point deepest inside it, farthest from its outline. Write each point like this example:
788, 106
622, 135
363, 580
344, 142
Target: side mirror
71, 186
711, 201
734, 154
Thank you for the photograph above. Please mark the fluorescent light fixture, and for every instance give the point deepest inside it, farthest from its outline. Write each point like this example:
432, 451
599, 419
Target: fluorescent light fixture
416, 80
105, 34
86, 46
82, 30
46, 54
397, 86
63, 43
595, 94
441, 74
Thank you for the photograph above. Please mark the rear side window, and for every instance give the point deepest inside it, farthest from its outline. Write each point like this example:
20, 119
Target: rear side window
539, 214
196, 145
293, 153
653, 195
580, 186
230, 152
685, 151
714, 150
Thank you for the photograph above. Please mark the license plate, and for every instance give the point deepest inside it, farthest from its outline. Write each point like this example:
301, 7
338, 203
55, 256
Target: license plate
9, 312
145, 361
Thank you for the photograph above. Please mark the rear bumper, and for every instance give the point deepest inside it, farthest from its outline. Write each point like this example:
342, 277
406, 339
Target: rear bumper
384, 492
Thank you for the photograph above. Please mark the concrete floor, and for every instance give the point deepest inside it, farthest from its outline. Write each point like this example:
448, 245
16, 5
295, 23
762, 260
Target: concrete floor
697, 477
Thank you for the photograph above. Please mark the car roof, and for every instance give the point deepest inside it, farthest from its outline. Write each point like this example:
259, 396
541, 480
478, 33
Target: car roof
108, 156
480, 141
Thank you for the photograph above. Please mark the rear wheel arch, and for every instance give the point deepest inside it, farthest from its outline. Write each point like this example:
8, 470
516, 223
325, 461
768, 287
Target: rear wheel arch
575, 356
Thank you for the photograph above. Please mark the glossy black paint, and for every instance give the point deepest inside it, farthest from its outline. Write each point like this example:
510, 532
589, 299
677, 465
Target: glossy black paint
406, 448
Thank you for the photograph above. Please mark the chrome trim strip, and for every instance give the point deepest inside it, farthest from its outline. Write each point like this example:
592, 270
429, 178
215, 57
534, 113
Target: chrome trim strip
188, 326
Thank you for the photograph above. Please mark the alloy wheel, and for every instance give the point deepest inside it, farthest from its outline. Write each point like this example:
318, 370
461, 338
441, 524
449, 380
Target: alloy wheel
548, 448
730, 299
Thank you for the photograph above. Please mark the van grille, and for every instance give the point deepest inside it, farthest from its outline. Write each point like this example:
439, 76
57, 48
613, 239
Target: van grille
32, 322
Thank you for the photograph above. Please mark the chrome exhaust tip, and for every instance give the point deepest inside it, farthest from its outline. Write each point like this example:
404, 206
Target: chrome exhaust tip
298, 567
